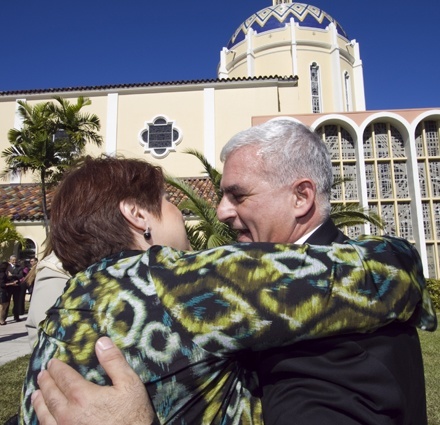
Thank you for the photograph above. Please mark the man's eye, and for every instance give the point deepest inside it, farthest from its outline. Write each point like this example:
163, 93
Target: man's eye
238, 197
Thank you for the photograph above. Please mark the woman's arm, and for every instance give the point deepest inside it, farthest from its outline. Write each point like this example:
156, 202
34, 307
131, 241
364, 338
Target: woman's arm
263, 295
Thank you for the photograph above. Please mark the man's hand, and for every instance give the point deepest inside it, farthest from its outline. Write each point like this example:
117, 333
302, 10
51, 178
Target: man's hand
66, 398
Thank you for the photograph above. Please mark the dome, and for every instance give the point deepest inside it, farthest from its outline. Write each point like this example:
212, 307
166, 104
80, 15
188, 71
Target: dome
278, 16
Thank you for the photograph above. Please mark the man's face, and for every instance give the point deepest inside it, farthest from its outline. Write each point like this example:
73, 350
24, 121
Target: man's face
13, 260
32, 262
258, 210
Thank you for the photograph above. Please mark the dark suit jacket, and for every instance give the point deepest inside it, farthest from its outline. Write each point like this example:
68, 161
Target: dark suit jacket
368, 379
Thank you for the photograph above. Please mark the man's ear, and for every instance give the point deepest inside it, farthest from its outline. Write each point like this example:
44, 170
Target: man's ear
136, 216
304, 196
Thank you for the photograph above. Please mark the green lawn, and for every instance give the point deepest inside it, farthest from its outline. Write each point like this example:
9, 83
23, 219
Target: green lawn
13, 372
431, 346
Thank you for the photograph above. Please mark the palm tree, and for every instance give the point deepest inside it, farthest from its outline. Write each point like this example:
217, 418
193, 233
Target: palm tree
53, 136
210, 232
8, 232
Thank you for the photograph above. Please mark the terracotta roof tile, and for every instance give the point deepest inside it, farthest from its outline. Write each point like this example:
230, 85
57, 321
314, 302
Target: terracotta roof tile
141, 85
22, 202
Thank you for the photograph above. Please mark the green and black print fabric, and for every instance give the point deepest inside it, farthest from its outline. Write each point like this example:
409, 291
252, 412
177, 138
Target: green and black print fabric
187, 322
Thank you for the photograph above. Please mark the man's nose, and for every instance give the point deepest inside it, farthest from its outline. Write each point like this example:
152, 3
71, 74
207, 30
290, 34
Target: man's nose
225, 210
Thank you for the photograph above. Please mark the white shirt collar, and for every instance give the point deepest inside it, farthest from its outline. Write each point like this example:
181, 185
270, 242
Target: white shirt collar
303, 238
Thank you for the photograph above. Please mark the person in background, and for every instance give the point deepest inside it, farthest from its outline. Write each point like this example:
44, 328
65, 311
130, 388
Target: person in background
50, 280
14, 288
25, 267
30, 276
4, 296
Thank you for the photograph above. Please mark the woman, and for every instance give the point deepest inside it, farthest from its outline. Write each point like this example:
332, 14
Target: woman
188, 322
4, 296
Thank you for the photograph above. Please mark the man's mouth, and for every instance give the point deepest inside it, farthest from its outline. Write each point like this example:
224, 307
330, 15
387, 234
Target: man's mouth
244, 235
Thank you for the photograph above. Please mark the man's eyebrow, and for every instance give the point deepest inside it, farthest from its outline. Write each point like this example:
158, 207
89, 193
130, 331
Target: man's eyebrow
231, 189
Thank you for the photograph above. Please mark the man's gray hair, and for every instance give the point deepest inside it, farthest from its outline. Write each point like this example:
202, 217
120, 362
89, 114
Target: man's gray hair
289, 151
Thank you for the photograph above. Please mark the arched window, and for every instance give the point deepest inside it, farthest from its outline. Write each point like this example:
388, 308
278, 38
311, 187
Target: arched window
315, 87
386, 168
348, 96
428, 161
343, 155
28, 251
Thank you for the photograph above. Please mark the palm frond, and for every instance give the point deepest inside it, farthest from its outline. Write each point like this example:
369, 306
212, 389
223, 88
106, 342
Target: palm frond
353, 214
209, 231
214, 175
8, 232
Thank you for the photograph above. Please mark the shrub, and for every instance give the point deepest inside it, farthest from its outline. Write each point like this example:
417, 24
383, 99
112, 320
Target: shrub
434, 290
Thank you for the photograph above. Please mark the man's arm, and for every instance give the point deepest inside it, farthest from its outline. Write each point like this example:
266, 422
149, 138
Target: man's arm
66, 398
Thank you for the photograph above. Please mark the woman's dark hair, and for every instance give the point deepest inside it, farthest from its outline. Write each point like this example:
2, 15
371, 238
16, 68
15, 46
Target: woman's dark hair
86, 224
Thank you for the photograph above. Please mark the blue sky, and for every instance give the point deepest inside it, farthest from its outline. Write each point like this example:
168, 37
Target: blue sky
49, 44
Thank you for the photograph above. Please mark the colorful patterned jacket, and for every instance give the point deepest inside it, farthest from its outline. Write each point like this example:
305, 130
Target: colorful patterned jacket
188, 322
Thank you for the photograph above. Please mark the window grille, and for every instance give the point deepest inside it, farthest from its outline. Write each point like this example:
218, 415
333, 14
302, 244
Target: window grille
370, 175
432, 139
397, 143
316, 90
347, 145
387, 213
351, 191
348, 97
381, 140
401, 180
405, 225
436, 209
422, 179
427, 220
385, 180
368, 143
428, 162
419, 141
434, 171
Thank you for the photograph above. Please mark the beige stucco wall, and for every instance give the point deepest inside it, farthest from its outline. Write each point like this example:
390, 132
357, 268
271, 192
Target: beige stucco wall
230, 111
276, 53
7, 116
34, 231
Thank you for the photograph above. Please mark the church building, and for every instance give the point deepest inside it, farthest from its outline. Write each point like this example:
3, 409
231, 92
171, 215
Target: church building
287, 60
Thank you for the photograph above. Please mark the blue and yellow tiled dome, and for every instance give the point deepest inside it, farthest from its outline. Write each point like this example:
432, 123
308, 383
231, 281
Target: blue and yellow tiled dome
278, 16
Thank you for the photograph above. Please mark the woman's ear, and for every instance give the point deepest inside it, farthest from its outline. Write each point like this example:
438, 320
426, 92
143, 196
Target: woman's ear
136, 216
304, 195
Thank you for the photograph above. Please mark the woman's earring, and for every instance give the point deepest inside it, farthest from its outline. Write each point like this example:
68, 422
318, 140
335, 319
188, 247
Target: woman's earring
147, 234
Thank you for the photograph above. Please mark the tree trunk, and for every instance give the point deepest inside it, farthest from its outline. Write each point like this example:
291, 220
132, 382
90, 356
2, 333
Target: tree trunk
44, 202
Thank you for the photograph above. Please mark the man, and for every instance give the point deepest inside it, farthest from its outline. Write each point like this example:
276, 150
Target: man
14, 276
375, 378
30, 277
264, 200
